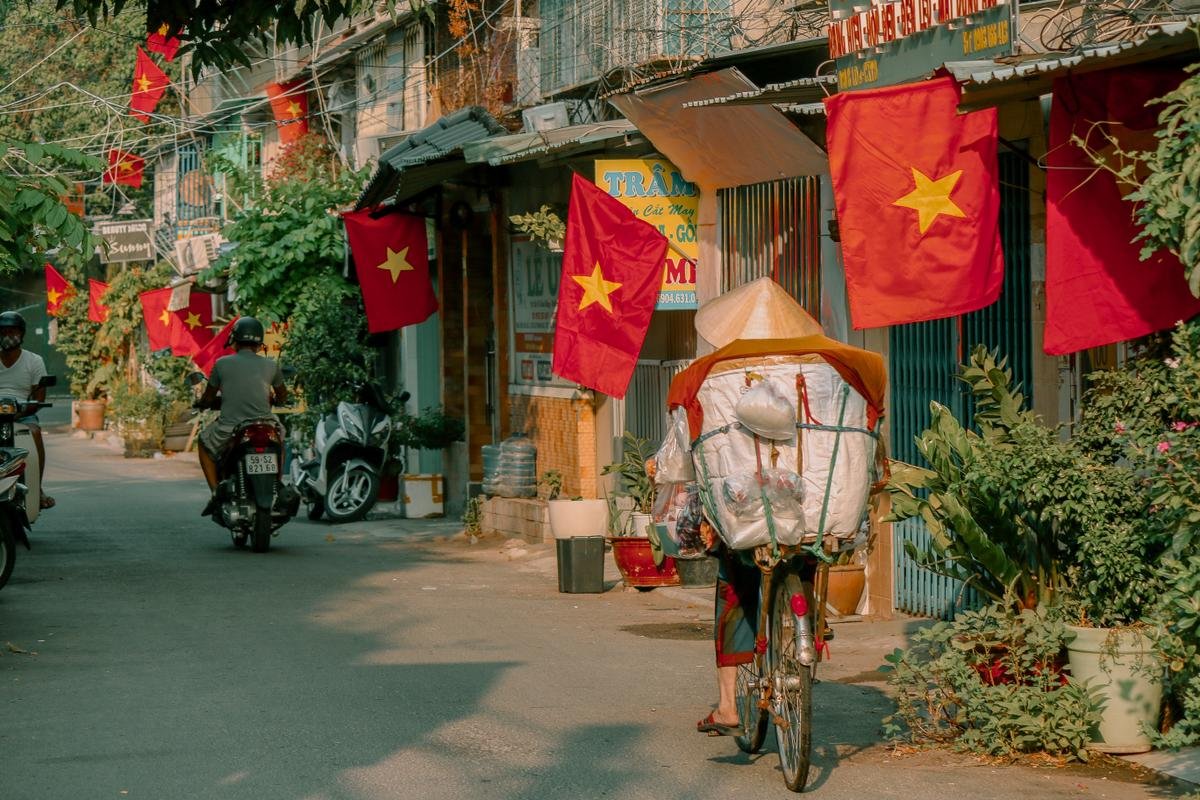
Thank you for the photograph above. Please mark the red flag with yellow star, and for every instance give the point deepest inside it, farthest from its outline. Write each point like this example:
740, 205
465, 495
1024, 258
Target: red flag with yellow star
918, 202
97, 311
217, 347
391, 259
162, 42
289, 104
191, 330
57, 290
160, 323
612, 271
149, 85
125, 168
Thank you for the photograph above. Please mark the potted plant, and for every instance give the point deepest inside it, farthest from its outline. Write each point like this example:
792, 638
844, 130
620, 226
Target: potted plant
632, 548
571, 516
1032, 521
76, 342
432, 429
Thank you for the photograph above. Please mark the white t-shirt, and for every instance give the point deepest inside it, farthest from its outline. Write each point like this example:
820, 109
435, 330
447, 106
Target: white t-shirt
17, 380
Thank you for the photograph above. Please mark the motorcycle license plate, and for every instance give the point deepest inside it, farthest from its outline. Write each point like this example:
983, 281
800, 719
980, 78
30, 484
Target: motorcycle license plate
262, 464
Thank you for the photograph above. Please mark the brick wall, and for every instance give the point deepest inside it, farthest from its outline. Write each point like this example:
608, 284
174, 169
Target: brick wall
564, 432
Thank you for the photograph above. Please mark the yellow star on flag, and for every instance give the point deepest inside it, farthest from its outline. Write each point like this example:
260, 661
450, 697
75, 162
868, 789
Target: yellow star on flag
293, 109
53, 295
125, 166
596, 289
143, 83
396, 263
929, 198
193, 320
165, 318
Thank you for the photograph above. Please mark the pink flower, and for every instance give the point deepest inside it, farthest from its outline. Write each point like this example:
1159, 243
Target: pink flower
1173, 363
1119, 427
1164, 447
1180, 426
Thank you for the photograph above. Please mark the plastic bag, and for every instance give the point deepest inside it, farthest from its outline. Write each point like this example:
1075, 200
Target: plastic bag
766, 411
674, 462
783, 489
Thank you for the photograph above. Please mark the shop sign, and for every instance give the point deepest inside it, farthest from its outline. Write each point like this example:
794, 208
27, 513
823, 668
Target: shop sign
902, 40
125, 241
655, 191
534, 273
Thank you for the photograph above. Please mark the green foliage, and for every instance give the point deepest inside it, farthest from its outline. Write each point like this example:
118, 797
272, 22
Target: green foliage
292, 235
139, 412
1179, 643
552, 479
76, 344
542, 226
990, 682
432, 429
472, 517
634, 478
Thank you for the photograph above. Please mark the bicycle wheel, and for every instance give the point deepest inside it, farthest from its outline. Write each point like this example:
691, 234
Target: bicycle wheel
791, 700
753, 718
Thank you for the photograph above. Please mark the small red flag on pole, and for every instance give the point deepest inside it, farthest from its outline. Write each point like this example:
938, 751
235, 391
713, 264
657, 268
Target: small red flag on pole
149, 85
162, 42
289, 104
57, 290
612, 271
97, 311
125, 168
159, 321
217, 347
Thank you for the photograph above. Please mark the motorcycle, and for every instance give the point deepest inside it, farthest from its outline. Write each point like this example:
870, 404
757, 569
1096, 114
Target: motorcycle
340, 478
252, 499
20, 478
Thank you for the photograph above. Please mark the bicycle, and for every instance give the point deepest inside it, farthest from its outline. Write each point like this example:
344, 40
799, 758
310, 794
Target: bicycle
790, 641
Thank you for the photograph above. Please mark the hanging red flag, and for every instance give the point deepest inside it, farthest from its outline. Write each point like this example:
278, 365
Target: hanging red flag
57, 290
149, 85
216, 347
918, 201
160, 323
1098, 290
391, 258
611, 274
97, 311
160, 41
289, 104
125, 168
191, 330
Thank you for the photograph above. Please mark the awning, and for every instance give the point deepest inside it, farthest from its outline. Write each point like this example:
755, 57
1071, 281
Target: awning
721, 145
429, 157
500, 150
991, 83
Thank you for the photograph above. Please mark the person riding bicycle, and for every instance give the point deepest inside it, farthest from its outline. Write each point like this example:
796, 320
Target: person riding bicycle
248, 384
21, 373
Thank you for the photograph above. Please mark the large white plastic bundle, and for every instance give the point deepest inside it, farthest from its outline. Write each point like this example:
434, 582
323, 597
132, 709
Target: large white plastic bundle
807, 479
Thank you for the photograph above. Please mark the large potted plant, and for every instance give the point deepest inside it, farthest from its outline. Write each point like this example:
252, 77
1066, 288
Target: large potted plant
1032, 521
632, 549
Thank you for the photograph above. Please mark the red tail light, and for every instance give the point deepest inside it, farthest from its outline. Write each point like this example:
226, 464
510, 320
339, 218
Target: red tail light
260, 435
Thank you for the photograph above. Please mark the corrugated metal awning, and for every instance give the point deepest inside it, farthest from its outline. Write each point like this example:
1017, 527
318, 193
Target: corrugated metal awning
990, 83
428, 157
502, 150
799, 91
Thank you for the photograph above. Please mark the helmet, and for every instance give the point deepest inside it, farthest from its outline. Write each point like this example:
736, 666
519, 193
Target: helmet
247, 330
11, 319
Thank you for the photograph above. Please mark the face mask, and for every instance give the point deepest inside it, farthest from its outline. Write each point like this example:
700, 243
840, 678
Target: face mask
10, 342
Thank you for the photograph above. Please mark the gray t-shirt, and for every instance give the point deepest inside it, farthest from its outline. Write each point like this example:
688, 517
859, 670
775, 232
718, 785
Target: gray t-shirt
25, 373
245, 380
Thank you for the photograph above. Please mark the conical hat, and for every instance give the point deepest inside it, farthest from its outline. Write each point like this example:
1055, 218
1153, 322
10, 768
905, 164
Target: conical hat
760, 309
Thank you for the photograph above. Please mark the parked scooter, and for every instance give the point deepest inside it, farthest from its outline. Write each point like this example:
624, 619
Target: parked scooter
253, 500
340, 476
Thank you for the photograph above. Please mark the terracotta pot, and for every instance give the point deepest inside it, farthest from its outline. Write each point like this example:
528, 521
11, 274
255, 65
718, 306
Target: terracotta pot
389, 488
91, 415
636, 563
846, 585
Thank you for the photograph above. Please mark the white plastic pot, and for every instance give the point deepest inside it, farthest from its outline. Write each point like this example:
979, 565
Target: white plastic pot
1121, 664
571, 518
638, 523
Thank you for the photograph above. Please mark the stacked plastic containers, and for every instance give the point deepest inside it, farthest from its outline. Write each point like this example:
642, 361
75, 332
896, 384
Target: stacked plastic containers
510, 468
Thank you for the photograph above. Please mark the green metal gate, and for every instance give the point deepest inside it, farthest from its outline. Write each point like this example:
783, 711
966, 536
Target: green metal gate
924, 359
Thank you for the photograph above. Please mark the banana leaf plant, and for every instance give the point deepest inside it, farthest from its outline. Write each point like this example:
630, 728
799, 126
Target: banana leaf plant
991, 522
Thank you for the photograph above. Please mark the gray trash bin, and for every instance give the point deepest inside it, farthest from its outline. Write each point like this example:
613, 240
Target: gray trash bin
580, 564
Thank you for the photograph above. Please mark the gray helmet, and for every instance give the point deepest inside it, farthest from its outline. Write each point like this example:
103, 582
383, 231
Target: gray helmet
11, 319
247, 330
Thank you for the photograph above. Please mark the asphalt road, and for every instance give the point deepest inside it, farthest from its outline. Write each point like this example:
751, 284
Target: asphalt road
141, 656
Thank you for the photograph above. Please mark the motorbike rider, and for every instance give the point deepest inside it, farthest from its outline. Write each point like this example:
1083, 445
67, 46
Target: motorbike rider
21, 372
248, 383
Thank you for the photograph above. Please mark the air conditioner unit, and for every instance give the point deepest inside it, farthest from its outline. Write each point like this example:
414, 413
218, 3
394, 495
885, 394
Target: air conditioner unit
545, 118
195, 253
